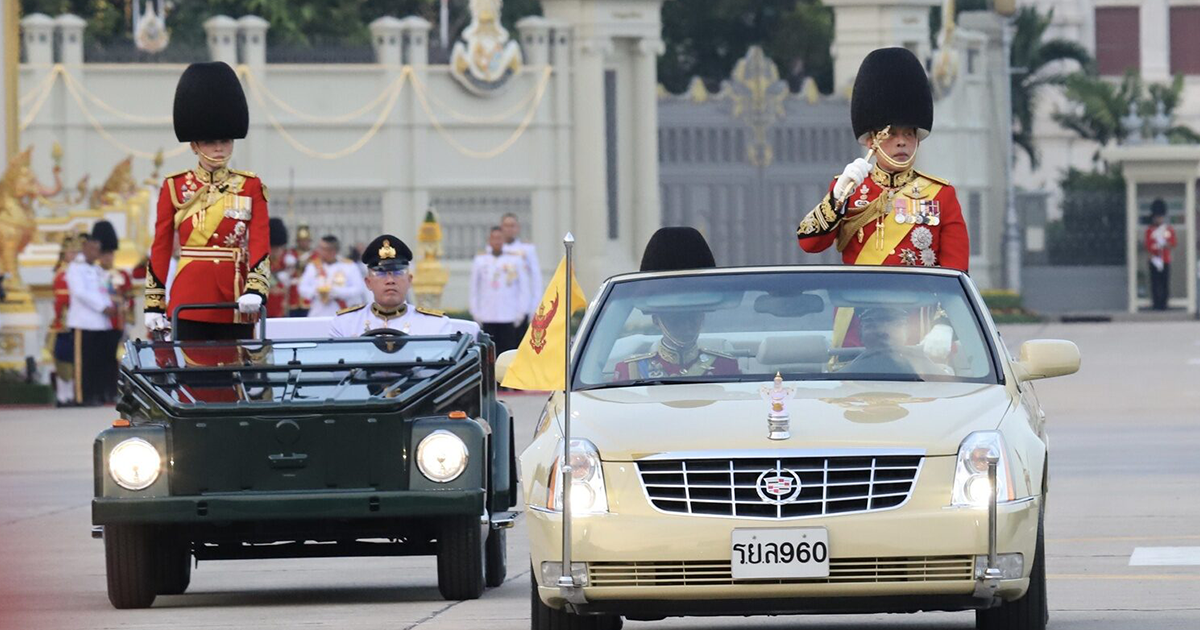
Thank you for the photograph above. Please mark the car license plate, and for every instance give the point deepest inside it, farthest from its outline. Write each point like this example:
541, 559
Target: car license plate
772, 554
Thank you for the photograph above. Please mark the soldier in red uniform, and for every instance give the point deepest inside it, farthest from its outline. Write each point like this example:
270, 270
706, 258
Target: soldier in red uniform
890, 213
61, 338
677, 352
218, 214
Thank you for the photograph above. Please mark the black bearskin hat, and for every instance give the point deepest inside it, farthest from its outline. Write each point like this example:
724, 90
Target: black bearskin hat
103, 231
1158, 208
279, 235
673, 248
210, 104
891, 88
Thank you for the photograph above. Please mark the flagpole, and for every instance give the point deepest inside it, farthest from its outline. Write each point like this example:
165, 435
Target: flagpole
567, 580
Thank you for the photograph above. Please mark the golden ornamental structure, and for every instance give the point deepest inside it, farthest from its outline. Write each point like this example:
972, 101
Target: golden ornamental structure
430, 275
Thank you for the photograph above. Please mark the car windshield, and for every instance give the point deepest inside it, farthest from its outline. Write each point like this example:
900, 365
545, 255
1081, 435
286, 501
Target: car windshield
315, 371
801, 324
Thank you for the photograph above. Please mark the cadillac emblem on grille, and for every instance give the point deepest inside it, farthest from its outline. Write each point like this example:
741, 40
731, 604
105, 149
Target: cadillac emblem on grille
778, 486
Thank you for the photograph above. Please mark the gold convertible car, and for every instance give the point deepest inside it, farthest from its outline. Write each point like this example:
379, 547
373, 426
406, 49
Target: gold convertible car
792, 440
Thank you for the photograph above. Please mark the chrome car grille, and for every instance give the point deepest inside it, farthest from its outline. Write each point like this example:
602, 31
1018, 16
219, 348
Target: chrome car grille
731, 487
841, 571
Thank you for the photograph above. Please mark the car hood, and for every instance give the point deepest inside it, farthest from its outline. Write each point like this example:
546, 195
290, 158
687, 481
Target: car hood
633, 422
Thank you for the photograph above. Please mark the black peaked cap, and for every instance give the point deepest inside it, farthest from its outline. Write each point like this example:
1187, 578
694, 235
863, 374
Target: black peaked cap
210, 104
673, 248
104, 232
386, 252
891, 88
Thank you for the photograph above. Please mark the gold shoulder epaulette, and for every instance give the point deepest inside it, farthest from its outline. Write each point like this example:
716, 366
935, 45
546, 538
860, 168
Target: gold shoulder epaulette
177, 173
351, 309
933, 179
430, 311
639, 357
717, 353
242, 173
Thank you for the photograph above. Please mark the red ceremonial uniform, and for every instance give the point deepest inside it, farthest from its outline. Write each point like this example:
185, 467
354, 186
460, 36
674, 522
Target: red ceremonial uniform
1160, 240
905, 218
62, 300
277, 300
121, 290
221, 222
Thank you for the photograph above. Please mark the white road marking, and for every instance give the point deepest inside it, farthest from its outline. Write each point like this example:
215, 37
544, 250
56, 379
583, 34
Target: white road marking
1165, 557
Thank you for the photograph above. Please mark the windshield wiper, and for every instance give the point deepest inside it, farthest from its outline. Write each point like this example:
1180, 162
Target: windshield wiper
666, 380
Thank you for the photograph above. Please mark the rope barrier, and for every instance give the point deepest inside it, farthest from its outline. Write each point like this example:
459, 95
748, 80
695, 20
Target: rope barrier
41, 100
149, 120
31, 94
490, 120
109, 137
418, 89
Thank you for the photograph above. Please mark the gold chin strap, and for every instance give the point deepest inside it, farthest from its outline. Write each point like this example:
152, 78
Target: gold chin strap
214, 161
882, 135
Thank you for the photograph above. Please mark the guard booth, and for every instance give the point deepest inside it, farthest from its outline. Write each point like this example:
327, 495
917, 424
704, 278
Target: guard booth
1151, 172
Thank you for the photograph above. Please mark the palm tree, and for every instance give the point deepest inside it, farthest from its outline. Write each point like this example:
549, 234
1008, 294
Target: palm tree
1030, 59
1100, 104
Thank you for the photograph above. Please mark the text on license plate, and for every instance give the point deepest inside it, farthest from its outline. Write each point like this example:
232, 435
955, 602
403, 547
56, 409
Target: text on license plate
771, 554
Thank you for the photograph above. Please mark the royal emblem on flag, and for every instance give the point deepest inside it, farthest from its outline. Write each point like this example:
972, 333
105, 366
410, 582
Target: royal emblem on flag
541, 321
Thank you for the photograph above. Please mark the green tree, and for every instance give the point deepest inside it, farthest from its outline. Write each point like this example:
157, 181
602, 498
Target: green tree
705, 39
1099, 104
1032, 57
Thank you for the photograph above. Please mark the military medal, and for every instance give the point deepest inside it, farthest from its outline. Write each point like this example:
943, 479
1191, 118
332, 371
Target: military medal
901, 209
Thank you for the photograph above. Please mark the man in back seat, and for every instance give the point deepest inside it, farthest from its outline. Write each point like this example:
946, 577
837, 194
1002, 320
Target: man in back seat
677, 353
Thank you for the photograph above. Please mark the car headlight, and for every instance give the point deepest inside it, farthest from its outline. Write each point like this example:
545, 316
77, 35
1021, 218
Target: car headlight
442, 456
134, 464
588, 495
971, 485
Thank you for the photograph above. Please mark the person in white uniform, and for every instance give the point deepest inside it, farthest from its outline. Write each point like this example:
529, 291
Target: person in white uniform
89, 315
499, 292
330, 281
388, 279
513, 244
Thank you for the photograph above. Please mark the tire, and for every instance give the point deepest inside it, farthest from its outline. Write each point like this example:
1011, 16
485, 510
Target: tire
460, 551
174, 564
1031, 612
129, 560
543, 617
496, 558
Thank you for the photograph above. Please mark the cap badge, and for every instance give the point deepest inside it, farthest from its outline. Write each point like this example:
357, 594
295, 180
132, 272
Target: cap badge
386, 250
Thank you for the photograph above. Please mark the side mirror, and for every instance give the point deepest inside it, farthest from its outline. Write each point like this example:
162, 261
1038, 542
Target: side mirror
502, 362
1046, 358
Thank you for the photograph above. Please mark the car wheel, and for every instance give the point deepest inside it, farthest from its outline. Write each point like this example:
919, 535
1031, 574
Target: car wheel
496, 561
460, 551
543, 617
174, 564
129, 560
1032, 611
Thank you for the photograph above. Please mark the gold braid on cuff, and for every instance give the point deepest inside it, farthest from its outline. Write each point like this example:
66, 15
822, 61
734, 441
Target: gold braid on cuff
820, 220
156, 295
258, 280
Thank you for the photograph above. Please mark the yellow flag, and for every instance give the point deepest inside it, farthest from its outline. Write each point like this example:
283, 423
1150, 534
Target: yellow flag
540, 359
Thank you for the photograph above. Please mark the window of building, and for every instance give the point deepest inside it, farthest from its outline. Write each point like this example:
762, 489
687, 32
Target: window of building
1185, 47
1118, 42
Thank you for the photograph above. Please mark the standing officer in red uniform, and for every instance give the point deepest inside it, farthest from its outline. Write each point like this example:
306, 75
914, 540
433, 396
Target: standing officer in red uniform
62, 339
277, 299
218, 214
890, 213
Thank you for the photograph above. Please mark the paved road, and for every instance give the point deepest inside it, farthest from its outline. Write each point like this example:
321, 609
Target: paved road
1125, 474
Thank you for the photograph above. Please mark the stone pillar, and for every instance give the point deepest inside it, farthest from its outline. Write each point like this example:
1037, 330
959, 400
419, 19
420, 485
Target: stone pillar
10, 50
535, 39
551, 228
71, 27
221, 31
415, 40
38, 29
385, 38
861, 26
252, 31
647, 208
1155, 37
590, 200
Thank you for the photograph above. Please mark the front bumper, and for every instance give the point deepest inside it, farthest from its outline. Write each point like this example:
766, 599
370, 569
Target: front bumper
223, 508
658, 552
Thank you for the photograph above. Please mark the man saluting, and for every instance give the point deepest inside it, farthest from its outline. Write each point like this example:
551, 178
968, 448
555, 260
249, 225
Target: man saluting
388, 279
890, 213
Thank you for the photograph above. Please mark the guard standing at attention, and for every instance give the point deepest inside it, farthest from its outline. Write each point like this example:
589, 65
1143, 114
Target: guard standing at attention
89, 315
387, 259
499, 292
889, 213
217, 213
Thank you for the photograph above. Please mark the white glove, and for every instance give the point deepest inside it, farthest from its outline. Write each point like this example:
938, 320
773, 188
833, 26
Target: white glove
156, 321
250, 303
856, 172
937, 342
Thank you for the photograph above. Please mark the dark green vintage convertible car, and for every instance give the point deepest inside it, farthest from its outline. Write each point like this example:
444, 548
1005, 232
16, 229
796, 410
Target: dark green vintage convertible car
384, 445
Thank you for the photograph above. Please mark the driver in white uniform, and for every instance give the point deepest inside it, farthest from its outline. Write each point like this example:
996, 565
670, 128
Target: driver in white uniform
387, 259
